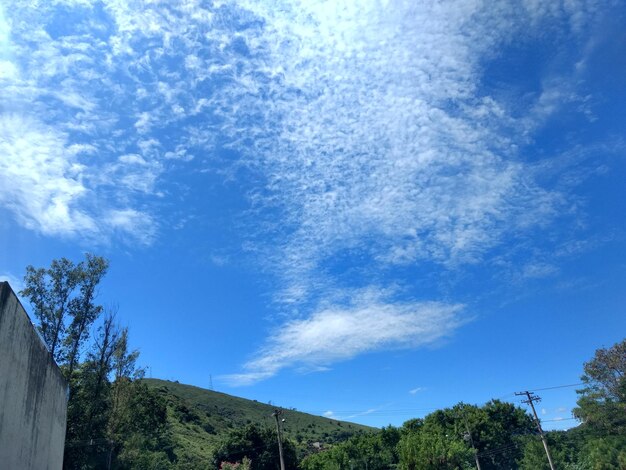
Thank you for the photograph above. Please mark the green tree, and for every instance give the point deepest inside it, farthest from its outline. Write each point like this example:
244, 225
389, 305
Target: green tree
125, 361
82, 309
335, 458
89, 406
120, 424
375, 451
49, 292
565, 448
61, 294
258, 445
137, 427
606, 453
497, 430
602, 403
432, 448
443, 438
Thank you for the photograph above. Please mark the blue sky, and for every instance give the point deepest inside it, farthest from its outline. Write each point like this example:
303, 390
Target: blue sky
364, 209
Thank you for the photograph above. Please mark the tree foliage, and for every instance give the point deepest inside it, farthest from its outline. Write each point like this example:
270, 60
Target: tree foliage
372, 451
62, 297
602, 403
441, 440
257, 446
444, 438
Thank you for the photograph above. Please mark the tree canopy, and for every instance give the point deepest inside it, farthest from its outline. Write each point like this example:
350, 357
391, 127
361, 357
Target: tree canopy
602, 402
257, 446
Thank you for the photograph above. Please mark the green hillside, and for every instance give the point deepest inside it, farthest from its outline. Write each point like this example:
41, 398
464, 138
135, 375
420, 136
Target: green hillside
200, 418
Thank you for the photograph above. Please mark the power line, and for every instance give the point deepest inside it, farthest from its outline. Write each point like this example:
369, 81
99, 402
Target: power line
399, 411
557, 420
555, 387
369, 412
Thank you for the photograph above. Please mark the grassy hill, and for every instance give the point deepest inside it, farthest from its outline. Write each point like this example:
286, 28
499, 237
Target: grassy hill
200, 418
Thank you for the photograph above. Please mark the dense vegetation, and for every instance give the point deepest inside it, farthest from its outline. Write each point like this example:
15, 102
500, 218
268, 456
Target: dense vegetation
201, 422
119, 420
499, 435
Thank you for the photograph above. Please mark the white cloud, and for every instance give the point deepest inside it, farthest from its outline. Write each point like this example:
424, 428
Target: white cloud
416, 389
332, 415
369, 124
129, 221
60, 172
383, 148
336, 333
365, 125
383, 142
538, 270
42, 182
39, 182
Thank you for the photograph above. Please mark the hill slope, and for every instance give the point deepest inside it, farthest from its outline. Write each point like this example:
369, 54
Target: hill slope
200, 418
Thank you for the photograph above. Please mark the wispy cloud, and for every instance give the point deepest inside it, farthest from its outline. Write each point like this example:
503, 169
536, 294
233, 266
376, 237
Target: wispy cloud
336, 333
385, 149
40, 178
538, 270
366, 127
416, 390
390, 150
372, 136
66, 170
332, 415
44, 183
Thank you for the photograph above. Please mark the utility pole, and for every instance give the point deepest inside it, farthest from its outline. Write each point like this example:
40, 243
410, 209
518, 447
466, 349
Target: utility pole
468, 436
531, 398
276, 414
110, 456
471, 439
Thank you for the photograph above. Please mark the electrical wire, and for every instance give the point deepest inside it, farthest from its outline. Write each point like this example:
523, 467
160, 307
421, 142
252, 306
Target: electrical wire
555, 387
400, 411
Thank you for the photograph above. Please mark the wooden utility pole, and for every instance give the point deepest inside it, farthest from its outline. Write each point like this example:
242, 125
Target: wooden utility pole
468, 436
471, 439
530, 401
276, 414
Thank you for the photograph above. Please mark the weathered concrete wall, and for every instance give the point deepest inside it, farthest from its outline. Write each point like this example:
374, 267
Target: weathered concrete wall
33, 403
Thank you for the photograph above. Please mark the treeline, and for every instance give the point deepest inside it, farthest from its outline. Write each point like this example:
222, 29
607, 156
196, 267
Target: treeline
497, 435
447, 439
113, 420
500, 435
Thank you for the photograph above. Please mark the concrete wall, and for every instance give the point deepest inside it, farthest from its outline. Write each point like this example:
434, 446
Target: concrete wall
33, 393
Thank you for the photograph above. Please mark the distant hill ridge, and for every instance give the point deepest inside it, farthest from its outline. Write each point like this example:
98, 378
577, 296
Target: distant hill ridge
200, 418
